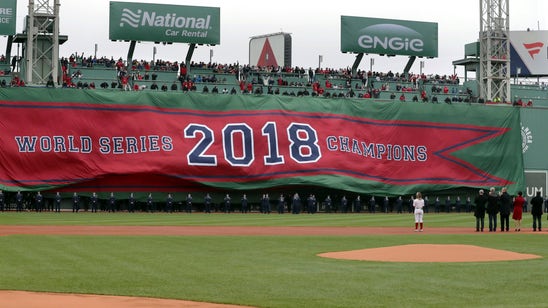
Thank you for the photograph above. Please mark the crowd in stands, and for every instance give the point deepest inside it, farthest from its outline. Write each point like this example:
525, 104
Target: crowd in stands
246, 79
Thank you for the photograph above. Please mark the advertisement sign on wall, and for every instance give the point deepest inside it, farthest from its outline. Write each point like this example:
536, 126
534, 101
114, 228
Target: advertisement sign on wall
529, 53
164, 23
8, 14
389, 36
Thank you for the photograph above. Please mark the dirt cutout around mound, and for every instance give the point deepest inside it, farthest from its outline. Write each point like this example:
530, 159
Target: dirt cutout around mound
23, 299
429, 253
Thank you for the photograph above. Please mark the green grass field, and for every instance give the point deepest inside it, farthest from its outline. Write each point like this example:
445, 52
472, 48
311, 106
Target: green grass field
270, 271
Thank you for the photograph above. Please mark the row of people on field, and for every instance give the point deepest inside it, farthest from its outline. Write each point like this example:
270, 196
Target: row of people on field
265, 204
503, 205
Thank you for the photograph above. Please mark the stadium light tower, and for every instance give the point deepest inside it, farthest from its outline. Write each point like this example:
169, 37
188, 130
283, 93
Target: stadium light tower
42, 43
494, 81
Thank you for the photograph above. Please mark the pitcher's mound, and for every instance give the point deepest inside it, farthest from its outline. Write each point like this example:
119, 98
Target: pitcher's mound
429, 253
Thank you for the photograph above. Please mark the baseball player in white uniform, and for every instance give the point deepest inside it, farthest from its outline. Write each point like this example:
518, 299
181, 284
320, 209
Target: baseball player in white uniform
418, 204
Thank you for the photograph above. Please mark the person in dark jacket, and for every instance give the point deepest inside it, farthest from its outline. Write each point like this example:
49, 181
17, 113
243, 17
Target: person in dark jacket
479, 212
492, 209
344, 205
131, 204
112, 203
93, 202
281, 204
296, 204
372, 204
358, 205
536, 211
150, 203
505, 210
39, 202
2, 201
169, 203
75, 203
19, 202
57, 202
188, 207
207, 204
227, 204
244, 204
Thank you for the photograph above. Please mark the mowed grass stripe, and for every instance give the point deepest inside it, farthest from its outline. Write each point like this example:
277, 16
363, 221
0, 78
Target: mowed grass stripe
272, 271
236, 219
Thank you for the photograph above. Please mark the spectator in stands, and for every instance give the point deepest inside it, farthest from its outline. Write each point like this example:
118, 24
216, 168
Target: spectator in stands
50, 83
124, 79
174, 87
154, 86
310, 75
392, 95
183, 71
77, 75
518, 102
17, 82
119, 64
164, 87
402, 97
350, 93
14, 61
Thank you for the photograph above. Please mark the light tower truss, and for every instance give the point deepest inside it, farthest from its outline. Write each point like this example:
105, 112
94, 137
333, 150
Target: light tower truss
42, 46
494, 79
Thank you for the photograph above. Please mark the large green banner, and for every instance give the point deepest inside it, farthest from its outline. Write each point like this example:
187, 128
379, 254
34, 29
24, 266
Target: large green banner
168, 141
389, 36
8, 14
534, 138
164, 23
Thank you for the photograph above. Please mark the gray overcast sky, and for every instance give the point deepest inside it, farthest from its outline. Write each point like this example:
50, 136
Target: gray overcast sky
314, 26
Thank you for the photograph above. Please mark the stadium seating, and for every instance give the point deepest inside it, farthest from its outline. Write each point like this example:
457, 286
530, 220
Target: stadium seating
295, 83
